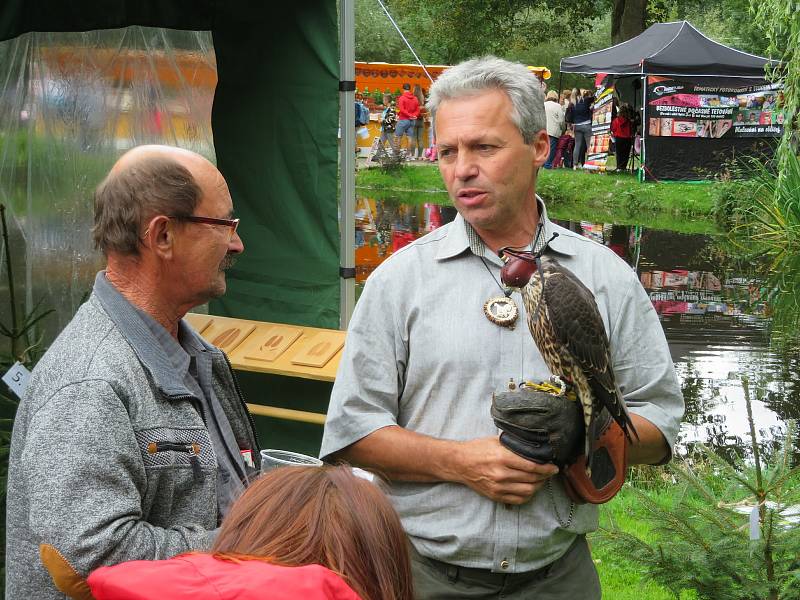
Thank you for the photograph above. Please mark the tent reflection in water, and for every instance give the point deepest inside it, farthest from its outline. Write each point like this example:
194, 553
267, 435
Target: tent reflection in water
680, 77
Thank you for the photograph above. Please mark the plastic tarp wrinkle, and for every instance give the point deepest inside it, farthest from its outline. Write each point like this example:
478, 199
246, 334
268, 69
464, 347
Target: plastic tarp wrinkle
72, 103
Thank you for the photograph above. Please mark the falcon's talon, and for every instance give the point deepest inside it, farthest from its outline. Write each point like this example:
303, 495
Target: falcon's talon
562, 385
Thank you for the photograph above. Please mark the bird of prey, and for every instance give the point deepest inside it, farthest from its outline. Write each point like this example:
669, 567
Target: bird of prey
567, 328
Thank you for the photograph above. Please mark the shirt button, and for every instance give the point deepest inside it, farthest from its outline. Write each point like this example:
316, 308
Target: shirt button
504, 564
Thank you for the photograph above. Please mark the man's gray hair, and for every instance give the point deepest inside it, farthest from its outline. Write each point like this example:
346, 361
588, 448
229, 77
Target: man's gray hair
124, 201
489, 73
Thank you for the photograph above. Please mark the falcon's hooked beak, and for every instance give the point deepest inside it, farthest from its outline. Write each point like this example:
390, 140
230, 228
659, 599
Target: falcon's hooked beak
519, 268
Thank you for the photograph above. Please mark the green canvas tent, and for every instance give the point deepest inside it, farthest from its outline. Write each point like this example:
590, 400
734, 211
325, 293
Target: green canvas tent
274, 120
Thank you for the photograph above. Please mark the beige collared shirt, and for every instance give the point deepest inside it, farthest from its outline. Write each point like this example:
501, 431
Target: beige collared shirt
421, 354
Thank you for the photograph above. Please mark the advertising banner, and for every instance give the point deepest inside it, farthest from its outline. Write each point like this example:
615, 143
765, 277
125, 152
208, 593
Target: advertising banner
597, 153
686, 110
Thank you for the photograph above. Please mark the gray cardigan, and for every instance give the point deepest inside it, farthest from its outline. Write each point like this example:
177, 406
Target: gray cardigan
89, 471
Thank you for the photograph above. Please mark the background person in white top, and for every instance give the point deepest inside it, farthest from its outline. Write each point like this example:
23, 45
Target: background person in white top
555, 124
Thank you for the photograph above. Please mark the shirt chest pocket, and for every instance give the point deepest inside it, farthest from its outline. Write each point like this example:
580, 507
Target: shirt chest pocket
171, 448
180, 470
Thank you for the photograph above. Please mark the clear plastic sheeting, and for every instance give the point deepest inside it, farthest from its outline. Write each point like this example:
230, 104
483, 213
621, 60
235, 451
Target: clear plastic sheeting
70, 105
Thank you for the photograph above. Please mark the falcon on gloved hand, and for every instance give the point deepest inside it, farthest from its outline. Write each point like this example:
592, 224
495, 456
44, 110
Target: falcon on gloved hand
568, 331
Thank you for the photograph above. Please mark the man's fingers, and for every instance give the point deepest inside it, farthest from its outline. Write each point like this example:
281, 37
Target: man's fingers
497, 473
518, 463
518, 495
514, 461
510, 476
520, 490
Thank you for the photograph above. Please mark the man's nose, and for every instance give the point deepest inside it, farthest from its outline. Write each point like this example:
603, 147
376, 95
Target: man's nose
466, 166
236, 245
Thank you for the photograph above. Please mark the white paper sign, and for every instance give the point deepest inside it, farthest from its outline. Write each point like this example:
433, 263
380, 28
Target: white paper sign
755, 524
17, 378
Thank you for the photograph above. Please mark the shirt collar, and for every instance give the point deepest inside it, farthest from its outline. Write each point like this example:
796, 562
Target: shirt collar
162, 355
456, 240
563, 244
461, 236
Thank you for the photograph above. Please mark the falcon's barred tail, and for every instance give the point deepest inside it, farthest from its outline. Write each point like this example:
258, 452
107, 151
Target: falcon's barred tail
623, 419
611, 398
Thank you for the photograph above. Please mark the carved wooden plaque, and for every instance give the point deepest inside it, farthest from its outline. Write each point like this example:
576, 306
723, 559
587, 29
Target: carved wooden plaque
198, 322
269, 343
227, 335
319, 349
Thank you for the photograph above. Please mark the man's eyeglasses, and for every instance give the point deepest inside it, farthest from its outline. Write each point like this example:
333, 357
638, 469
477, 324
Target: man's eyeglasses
233, 224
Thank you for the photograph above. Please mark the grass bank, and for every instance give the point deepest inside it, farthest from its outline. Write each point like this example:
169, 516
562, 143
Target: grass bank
619, 577
573, 195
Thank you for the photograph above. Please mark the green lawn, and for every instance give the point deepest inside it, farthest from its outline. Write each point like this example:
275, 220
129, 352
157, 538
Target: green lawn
573, 195
422, 178
619, 577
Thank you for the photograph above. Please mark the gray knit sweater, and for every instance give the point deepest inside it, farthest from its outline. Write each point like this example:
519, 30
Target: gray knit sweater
102, 463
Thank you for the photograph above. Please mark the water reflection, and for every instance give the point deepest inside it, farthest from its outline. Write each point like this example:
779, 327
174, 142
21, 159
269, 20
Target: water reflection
383, 226
714, 314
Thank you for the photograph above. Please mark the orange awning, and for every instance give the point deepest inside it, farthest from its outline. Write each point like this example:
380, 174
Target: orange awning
173, 69
390, 76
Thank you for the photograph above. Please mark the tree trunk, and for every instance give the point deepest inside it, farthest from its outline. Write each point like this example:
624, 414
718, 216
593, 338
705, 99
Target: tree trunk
627, 19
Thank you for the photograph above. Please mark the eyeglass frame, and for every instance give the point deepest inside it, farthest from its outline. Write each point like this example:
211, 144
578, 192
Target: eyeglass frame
232, 223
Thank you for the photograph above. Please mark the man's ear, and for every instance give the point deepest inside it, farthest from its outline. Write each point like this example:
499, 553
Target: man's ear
541, 148
159, 237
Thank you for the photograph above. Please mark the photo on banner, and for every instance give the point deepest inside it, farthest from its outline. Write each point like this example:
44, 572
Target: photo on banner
597, 153
680, 109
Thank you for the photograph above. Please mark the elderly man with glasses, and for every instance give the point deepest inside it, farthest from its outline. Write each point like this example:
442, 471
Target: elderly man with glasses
133, 438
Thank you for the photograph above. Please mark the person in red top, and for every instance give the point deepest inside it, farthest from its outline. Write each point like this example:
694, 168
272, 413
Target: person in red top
203, 576
407, 114
310, 533
622, 130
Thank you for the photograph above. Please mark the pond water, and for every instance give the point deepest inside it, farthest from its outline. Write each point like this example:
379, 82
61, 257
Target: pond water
713, 314
712, 311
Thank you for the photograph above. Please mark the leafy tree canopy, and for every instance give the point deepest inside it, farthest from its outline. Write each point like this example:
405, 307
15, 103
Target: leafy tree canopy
446, 32
540, 32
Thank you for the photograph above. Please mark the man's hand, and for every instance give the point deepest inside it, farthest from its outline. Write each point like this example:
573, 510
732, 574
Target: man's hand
482, 464
493, 471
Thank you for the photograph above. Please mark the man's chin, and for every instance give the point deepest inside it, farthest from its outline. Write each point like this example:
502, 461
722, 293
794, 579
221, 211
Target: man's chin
217, 288
479, 218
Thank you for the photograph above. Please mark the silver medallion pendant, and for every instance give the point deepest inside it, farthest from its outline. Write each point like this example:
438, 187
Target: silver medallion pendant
501, 310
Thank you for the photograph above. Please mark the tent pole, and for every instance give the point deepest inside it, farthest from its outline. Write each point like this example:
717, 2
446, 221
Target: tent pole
559, 84
645, 126
347, 163
397, 27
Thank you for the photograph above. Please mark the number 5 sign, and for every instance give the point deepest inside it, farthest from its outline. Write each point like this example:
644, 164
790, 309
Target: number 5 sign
17, 378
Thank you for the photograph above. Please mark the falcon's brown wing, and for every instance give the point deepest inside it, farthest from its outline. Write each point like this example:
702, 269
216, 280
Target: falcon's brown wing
578, 326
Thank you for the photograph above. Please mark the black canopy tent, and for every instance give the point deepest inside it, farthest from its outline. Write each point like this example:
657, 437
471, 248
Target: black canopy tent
670, 49
680, 53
